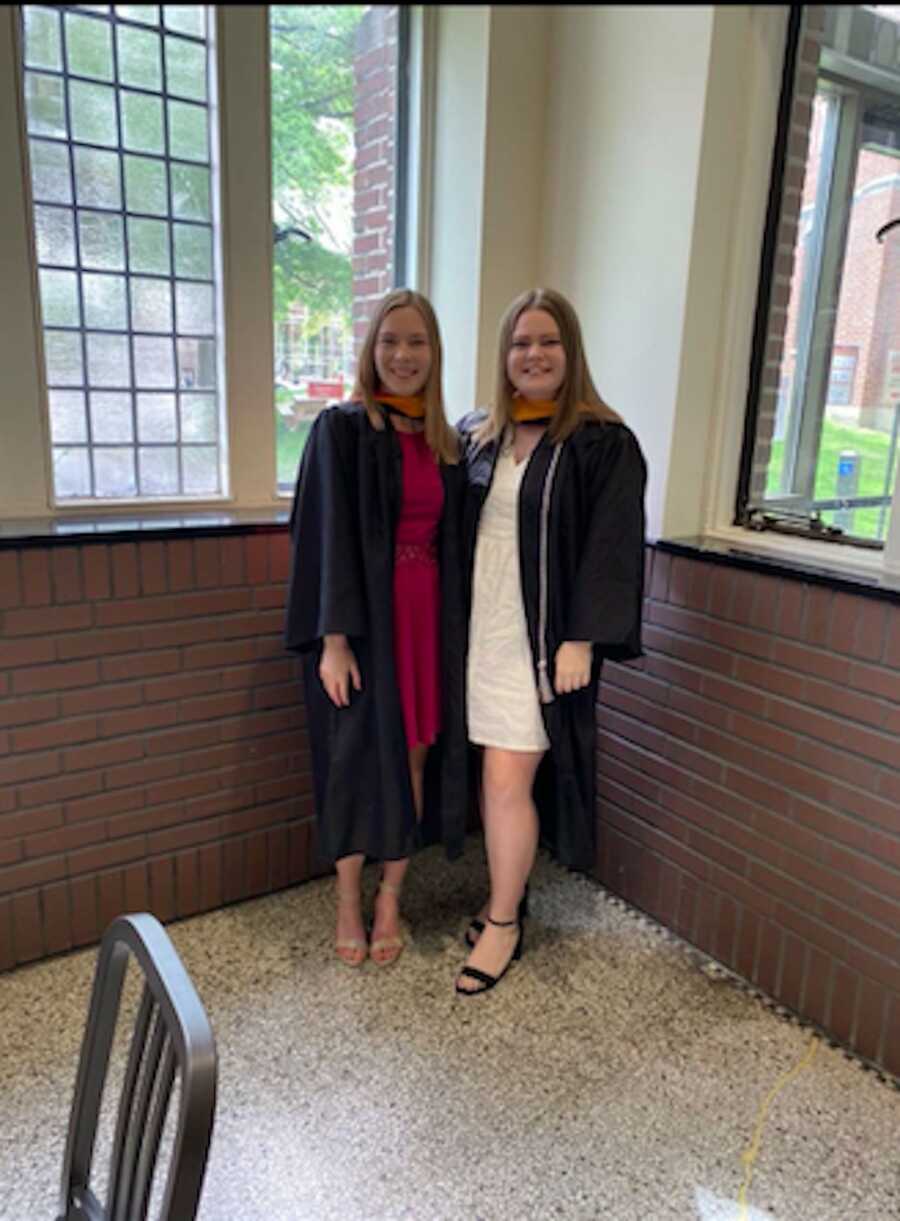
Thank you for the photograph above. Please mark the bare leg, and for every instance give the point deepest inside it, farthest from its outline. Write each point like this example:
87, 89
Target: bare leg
417, 759
511, 837
387, 901
350, 925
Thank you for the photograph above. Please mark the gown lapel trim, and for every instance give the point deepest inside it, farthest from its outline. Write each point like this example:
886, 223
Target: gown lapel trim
545, 690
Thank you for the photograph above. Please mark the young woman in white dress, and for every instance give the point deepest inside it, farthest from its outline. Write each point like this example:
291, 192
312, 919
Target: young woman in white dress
555, 517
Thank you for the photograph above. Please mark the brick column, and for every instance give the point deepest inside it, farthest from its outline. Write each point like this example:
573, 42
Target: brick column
786, 265
374, 188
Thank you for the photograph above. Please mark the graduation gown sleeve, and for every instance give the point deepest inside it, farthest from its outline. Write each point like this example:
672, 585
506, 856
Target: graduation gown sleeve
606, 598
326, 592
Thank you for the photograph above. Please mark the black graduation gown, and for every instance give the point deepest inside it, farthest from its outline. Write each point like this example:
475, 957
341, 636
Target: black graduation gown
594, 591
343, 525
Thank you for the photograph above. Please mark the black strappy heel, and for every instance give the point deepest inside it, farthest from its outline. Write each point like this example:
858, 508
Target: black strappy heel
476, 925
490, 981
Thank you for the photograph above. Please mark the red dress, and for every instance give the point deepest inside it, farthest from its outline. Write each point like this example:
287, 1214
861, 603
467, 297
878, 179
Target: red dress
417, 592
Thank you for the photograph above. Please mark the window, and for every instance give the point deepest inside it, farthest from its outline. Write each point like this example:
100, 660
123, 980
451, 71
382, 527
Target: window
117, 104
115, 426
841, 378
822, 446
335, 73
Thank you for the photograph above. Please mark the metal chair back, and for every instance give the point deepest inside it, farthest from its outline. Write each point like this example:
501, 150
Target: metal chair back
171, 1036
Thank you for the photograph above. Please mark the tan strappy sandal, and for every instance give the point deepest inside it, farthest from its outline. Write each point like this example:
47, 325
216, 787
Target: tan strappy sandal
393, 944
353, 945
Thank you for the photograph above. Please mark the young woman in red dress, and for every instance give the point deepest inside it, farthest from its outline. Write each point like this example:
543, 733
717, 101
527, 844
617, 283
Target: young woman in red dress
375, 607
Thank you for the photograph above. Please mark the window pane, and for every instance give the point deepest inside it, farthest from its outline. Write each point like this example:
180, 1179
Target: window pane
139, 60
190, 192
62, 352
186, 68
154, 365
148, 246
43, 48
101, 241
107, 358
333, 188
145, 185
193, 251
196, 364
59, 298
71, 472
54, 235
829, 416
148, 13
156, 418
159, 471
151, 305
198, 417
188, 132
201, 469
89, 47
114, 472
142, 123
93, 115
97, 182
194, 309
111, 418
103, 85
105, 306
67, 419
45, 105
50, 179
185, 18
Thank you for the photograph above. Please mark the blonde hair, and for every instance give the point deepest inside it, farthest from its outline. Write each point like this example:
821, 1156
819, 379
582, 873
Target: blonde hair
578, 398
439, 436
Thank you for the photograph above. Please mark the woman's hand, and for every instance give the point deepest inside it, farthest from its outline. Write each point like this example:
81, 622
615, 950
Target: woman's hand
337, 669
573, 666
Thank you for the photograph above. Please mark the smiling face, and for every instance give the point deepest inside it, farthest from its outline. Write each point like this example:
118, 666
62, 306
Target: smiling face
403, 352
536, 361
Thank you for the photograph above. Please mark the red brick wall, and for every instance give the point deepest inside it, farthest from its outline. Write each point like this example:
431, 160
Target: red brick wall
374, 188
153, 756
152, 751
749, 779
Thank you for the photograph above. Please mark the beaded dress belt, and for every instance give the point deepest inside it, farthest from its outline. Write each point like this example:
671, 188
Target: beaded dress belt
423, 553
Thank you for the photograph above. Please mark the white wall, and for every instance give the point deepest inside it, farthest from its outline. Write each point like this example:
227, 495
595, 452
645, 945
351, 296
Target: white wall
566, 153
490, 103
621, 155
748, 82
512, 230
624, 130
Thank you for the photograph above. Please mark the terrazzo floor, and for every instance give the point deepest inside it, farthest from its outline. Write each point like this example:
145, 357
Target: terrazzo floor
609, 1076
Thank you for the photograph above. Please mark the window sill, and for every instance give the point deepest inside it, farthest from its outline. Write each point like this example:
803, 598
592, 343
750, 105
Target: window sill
862, 572
68, 531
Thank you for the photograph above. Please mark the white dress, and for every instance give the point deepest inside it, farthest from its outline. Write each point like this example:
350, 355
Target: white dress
502, 697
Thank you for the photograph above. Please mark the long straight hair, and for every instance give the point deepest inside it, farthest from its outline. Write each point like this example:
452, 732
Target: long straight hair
578, 398
439, 436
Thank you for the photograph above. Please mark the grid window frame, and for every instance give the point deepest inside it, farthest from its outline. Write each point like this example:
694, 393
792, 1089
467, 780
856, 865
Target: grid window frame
91, 335
242, 255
